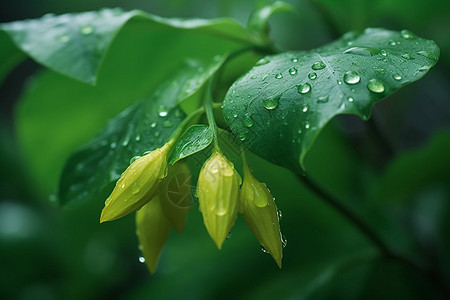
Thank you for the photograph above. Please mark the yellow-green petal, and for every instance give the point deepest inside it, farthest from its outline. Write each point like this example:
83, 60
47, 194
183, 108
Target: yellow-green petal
175, 194
218, 193
260, 213
137, 185
152, 229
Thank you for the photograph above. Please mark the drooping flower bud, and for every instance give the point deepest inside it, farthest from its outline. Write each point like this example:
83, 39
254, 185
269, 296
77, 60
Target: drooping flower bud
218, 193
260, 212
137, 185
152, 229
175, 194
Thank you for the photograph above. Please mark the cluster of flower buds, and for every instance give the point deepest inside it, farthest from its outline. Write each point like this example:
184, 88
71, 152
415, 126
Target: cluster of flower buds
145, 187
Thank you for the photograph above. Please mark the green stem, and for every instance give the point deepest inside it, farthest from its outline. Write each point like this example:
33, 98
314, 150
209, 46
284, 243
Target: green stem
177, 133
208, 105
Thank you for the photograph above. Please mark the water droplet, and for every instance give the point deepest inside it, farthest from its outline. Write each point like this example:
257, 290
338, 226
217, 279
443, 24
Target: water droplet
406, 34
264, 249
319, 65
294, 60
322, 100
393, 43
153, 125
167, 124
312, 76
339, 82
156, 134
397, 76
383, 52
379, 70
248, 121
304, 88
228, 235
262, 61
375, 86
235, 115
271, 103
279, 76
113, 145
64, 38
283, 241
162, 111
134, 158
293, 71
242, 136
427, 54
146, 152
351, 77
87, 29
407, 56
350, 99
126, 141
305, 108
137, 138
364, 51
141, 259
279, 215
307, 125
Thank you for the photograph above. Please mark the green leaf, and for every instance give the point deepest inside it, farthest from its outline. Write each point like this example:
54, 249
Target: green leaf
280, 106
258, 22
194, 139
76, 44
10, 56
415, 170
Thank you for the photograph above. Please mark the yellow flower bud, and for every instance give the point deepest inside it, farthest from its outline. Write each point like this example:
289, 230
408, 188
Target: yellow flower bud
260, 212
218, 193
152, 229
175, 195
137, 185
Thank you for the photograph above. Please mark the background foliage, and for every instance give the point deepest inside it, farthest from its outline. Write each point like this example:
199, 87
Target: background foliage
394, 172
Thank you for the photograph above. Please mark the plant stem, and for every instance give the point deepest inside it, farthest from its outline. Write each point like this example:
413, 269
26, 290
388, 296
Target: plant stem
432, 274
207, 104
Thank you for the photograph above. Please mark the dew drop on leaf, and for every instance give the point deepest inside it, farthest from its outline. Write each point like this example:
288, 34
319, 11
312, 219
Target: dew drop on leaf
351, 77
113, 145
350, 99
262, 61
427, 54
248, 121
279, 76
162, 111
153, 125
87, 29
304, 88
305, 108
319, 65
407, 56
392, 43
156, 134
383, 52
307, 125
137, 138
293, 71
397, 76
294, 60
271, 103
322, 100
167, 124
312, 76
375, 86
141, 259
64, 38
407, 34
364, 51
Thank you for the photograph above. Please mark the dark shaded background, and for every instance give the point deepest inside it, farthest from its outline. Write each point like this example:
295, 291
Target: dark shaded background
51, 253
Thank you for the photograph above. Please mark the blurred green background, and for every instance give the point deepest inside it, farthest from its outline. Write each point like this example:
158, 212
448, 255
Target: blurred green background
402, 190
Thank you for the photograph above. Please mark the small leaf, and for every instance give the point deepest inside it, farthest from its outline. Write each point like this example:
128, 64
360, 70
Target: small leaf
196, 138
290, 97
258, 26
76, 44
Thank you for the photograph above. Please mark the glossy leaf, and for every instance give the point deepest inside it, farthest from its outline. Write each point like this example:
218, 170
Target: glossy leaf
196, 138
76, 44
144, 126
280, 106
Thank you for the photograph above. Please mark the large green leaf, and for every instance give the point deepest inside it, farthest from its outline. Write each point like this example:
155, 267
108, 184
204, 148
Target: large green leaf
75, 44
142, 127
280, 106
